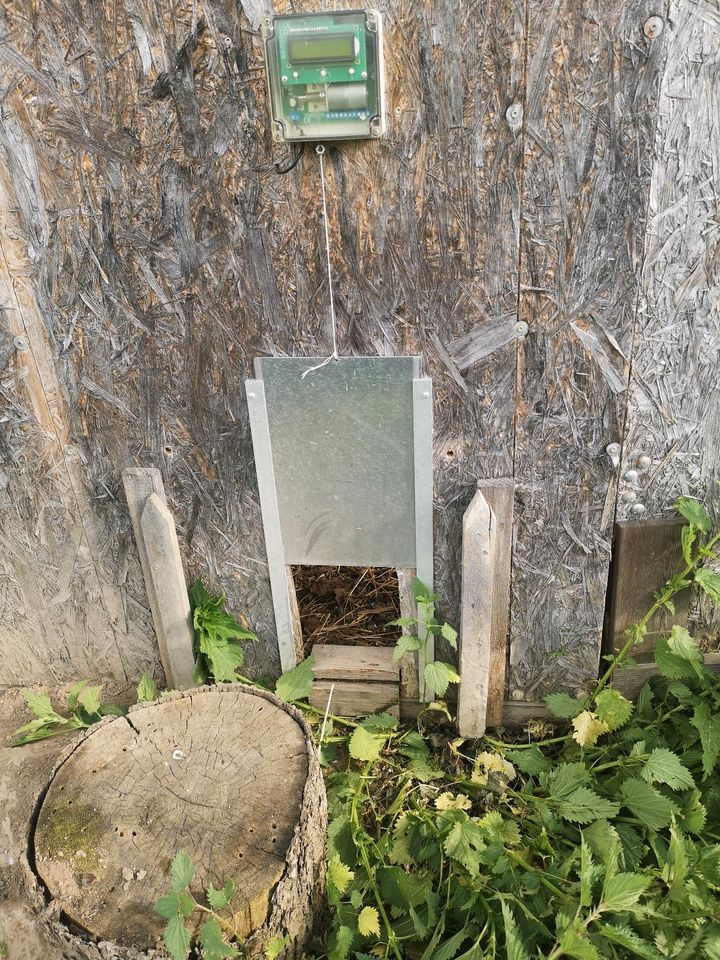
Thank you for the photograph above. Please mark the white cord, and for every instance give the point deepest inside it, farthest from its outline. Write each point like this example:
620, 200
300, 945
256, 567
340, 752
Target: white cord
320, 150
327, 708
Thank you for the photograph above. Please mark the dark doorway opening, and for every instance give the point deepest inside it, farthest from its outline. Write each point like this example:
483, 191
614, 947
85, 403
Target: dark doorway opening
347, 605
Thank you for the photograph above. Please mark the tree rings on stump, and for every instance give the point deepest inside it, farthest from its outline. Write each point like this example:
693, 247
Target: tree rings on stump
228, 774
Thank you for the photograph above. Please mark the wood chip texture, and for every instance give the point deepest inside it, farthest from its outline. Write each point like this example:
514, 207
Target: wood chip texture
150, 250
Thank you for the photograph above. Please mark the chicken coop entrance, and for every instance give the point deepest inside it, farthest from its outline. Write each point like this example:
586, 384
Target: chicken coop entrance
343, 452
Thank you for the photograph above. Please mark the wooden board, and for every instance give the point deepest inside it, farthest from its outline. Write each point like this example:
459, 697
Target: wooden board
674, 403
645, 555
588, 145
371, 664
500, 495
478, 562
353, 698
137, 790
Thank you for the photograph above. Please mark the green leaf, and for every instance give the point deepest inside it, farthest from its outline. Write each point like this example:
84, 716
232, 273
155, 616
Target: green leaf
182, 871
380, 722
613, 709
694, 512
563, 779
709, 582
168, 906
674, 665
219, 899
530, 762
421, 593
663, 766
224, 659
74, 692
177, 938
688, 536
365, 745
213, 942
369, 922
622, 892
675, 865
339, 876
708, 726
588, 872
651, 808
408, 643
40, 704
343, 938
438, 676
563, 706
450, 634
627, 938
575, 944
514, 948
584, 805
275, 946
464, 843
297, 683
89, 700
146, 689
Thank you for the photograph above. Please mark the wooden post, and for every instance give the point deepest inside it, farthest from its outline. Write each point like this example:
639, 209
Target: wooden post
478, 556
500, 495
163, 571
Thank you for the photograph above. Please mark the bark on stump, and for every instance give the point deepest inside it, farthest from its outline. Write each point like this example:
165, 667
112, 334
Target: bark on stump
229, 774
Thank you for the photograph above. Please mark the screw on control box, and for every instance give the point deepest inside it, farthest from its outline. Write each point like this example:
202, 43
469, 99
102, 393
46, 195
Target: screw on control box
325, 75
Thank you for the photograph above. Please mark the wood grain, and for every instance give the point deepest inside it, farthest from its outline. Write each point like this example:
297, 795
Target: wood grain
673, 399
589, 134
336, 662
136, 790
478, 569
500, 496
353, 698
645, 555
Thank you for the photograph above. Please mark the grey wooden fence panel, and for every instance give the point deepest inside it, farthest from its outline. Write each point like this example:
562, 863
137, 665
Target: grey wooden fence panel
589, 133
173, 253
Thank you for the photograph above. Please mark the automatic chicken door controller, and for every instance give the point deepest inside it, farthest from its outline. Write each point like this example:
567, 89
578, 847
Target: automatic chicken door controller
325, 75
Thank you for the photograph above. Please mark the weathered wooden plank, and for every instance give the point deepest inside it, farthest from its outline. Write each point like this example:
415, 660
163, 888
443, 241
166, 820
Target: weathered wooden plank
673, 421
171, 609
336, 662
352, 698
589, 134
645, 555
479, 547
500, 496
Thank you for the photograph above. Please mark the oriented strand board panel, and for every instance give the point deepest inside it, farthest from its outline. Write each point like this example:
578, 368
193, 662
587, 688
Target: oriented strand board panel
645, 556
674, 401
589, 134
167, 252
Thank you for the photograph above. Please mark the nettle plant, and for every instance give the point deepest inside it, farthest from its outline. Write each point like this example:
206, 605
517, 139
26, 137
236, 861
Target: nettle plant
599, 842
438, 675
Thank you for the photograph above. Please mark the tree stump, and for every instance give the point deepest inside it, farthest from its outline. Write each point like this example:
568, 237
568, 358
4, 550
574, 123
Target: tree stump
229, 774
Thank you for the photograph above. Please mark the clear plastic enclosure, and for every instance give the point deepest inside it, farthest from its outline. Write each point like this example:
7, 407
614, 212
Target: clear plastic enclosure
325, 75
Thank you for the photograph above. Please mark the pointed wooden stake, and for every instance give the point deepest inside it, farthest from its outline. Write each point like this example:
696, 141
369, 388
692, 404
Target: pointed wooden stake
478, 560
163, 571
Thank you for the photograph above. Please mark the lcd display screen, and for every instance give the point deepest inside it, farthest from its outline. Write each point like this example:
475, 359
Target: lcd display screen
310, 48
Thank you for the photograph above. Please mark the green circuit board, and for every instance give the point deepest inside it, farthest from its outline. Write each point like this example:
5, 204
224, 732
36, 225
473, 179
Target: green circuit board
325, 75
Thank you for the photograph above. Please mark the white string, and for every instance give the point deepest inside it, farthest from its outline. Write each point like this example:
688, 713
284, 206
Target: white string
320, 150
327, 708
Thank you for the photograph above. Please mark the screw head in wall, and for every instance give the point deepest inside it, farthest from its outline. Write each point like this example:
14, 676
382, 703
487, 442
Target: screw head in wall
638, 509
644, 462
522, 328
613, 449
514, 113
630, 476
653, 27
517, 695
21, 344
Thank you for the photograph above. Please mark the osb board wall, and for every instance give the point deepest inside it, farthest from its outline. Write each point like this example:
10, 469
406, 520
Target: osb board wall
151, 250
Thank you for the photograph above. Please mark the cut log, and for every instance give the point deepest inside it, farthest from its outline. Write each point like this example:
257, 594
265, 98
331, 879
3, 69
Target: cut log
229, 774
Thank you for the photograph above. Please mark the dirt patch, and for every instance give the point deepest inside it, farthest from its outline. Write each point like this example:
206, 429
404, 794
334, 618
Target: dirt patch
347, 605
